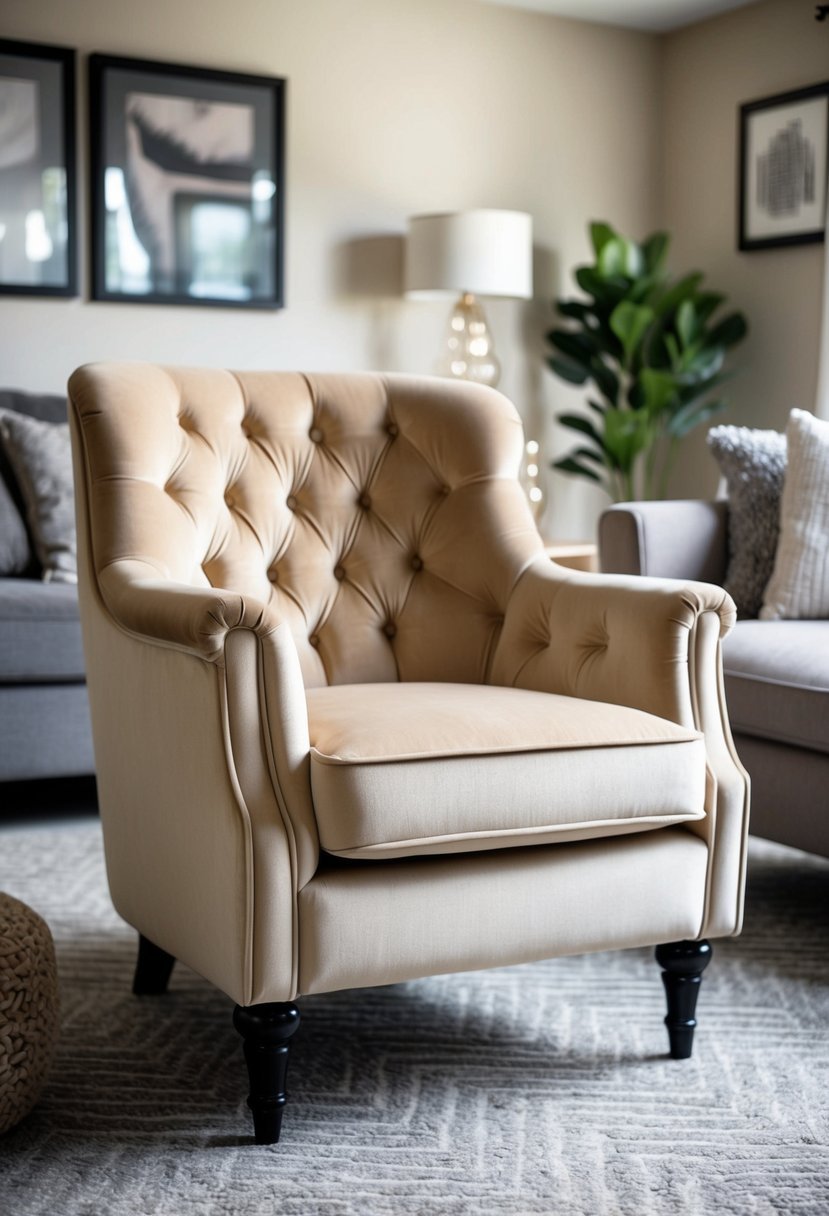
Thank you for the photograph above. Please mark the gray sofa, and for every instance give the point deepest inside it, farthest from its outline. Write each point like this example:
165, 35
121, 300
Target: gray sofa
776, 672
44, 713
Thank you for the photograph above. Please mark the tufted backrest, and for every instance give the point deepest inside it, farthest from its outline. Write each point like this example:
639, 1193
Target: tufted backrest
379, 515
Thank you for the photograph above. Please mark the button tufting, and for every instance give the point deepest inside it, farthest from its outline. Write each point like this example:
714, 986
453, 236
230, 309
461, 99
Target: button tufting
339, 573
273, 574
417, 562
290, 502
246, 428
393, 429
445, 490
389, 630
228, 498
314, 640
365, 501
315, 435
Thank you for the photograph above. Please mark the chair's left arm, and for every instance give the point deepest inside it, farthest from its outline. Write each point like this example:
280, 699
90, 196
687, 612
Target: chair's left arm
653, 644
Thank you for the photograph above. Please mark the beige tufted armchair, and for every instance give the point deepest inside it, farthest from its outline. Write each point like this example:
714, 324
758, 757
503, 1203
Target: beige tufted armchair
351, 725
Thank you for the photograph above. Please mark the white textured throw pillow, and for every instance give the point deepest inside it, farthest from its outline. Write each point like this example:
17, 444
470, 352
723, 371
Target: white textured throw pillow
799, 585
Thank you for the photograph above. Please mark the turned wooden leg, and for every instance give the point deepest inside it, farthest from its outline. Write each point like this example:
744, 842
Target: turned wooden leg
267, 1031
682, 966
153, 969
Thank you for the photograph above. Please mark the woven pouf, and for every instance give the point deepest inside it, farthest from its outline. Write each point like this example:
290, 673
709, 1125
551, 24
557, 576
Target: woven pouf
28, 1008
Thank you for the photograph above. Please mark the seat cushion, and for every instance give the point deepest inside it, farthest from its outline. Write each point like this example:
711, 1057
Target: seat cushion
40, 632
404, 769
777, 681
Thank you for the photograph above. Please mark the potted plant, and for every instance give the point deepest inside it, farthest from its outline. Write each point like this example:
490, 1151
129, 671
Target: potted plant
653, 351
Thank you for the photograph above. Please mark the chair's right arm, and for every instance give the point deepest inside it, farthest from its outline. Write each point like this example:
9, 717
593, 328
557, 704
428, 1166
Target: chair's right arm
684, 539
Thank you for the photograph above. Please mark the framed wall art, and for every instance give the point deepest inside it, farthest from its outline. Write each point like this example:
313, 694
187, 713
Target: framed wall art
784, 141
37, 170
188, 190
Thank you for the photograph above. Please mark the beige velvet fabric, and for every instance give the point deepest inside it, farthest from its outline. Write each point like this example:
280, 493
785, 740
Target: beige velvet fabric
380, 923
411, 769
247, 538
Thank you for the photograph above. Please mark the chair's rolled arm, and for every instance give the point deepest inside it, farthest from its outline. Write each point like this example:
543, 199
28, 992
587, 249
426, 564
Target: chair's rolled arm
614, 638
682, 539
198, 619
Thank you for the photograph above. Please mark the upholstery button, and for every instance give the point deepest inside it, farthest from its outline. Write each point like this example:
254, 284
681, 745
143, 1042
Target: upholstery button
290, 502
365, 501
315, 435
445, 490
389, 630
392, 429
228, 498
417, 562
273, 574
339, 573
314, 640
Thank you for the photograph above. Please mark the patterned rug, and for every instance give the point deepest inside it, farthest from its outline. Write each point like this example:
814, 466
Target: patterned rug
535, 1089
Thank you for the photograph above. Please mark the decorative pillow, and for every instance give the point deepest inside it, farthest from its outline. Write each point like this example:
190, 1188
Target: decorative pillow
40, 456
15, 550
799, 587
754, 465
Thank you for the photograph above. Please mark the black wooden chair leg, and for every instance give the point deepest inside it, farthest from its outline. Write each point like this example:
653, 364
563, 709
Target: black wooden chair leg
682, 966
153, 969
267, 1031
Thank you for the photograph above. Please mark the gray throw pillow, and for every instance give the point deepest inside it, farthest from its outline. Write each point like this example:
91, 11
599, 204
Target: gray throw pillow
15, 550
41, 459
754, 466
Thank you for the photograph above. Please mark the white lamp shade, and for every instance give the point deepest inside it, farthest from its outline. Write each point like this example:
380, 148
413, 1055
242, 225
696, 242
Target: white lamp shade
488, 253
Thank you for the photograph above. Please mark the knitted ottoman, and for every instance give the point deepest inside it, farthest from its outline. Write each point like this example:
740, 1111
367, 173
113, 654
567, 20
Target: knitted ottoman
28, 1008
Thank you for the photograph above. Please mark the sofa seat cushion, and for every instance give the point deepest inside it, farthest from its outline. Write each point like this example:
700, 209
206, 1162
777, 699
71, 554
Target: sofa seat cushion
404, 769
777, 681
40, 632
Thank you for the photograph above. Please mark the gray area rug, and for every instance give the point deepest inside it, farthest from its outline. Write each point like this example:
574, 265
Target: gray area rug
535, 1089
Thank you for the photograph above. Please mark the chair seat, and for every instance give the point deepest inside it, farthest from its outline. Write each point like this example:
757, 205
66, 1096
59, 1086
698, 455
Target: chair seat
404, 769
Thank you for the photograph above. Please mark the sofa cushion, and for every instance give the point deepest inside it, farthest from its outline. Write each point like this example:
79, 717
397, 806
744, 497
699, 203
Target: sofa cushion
777, 681
41, 459
40, 632
754, 465
402, 769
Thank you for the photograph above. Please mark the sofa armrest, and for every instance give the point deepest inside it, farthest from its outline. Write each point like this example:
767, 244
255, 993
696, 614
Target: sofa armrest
680, 539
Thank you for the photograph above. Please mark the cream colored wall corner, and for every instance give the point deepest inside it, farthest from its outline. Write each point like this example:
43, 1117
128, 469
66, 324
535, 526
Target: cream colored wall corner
394, 107
708, 71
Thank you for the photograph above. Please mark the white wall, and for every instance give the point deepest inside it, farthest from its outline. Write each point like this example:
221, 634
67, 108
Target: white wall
709, 70
394, 107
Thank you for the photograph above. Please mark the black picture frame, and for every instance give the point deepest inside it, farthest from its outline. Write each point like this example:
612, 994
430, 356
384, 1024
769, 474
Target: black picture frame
784, 169
38, 171
187, 184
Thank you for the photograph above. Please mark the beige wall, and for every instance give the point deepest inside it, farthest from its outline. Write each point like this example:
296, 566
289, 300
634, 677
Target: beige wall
708, 71
394, 107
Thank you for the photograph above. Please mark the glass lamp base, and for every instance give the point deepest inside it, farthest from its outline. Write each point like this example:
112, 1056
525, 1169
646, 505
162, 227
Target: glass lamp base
470, 354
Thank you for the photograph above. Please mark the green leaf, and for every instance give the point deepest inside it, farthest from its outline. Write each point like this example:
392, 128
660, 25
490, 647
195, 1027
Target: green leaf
606, 379
574, 309
597, 406
600, 234
577, 423
568, 371
569, 465
673, 296
690, 416
728, 332
626, 434
659, 389
706, 303
630, 323
578, 347
686, 322
655, 250
620, 256
607, 291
